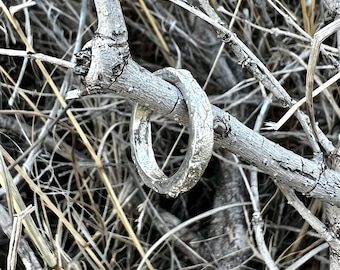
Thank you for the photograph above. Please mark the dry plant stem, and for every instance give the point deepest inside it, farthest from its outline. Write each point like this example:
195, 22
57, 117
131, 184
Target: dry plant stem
297, 264
158, 33
19, 206
218, 55
130, 80
25, 252
37, 56
24, 64
35, 150
257, 220
246, 58
185, 239
183, 225
333, 214
289, 17
314, 208
50, 205
81, 26
64, 150
205, 5
217, 58
111, 25
20, 77
15, 237
272, 31
326, 232
333, 218
143, 87
332, 211
99, 164
258, 225
262, 9
319, 37
322, 88
249, 61
317, 225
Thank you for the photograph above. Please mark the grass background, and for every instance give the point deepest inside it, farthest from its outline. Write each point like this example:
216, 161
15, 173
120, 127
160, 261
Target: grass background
60, 166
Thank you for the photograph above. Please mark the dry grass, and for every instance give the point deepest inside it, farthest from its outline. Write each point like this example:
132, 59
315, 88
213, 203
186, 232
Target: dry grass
54, 171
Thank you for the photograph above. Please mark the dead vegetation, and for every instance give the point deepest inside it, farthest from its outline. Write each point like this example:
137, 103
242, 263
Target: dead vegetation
213, 226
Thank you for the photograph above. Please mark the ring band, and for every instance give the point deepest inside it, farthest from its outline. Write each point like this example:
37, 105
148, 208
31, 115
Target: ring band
201, 138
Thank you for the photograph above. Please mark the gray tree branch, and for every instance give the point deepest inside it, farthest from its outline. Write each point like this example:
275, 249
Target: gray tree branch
113, 70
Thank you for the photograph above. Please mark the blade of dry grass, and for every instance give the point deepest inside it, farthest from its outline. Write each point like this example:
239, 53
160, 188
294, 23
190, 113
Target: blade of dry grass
15, 237
183, 225
19, 206
86, 142
27, 255
159, 35
51, 206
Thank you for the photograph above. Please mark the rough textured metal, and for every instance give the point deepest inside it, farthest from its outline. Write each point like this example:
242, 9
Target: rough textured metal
200, 143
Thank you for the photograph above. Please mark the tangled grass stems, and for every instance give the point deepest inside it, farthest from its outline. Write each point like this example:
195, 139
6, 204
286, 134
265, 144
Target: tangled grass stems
64, 181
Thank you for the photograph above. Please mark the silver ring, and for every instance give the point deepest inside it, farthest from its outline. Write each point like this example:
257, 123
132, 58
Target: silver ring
201, 138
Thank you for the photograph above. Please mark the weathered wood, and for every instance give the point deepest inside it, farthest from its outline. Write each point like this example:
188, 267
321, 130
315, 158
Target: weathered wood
113, 70
304, 175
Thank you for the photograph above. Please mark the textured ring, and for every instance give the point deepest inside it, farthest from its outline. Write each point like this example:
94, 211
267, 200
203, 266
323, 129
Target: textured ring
201, 138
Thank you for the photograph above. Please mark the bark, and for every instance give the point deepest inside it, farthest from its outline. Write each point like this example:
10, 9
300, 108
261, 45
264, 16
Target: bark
333, 219
112, 70
305, 176
228, 230
332, 211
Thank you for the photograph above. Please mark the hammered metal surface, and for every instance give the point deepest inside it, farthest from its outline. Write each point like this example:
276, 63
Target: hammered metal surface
201, 139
